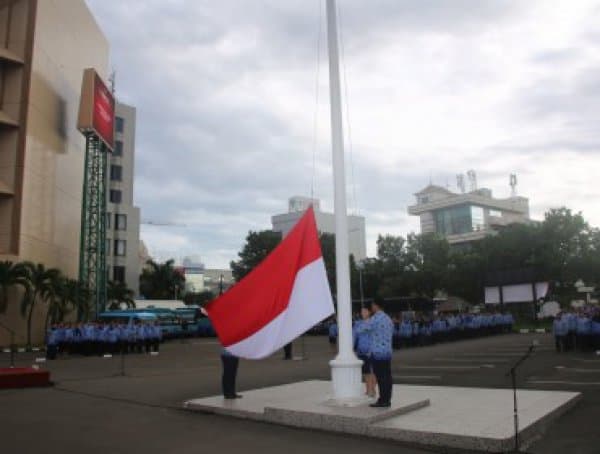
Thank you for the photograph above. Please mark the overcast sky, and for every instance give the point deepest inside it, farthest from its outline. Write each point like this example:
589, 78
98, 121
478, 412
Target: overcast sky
226, 101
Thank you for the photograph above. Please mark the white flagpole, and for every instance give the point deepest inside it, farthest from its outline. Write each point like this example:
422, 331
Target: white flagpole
346, 367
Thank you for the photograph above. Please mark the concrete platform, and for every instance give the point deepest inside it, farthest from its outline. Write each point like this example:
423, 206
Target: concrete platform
445, 417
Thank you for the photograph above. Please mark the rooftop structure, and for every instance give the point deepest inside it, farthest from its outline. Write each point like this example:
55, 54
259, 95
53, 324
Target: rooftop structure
467, 216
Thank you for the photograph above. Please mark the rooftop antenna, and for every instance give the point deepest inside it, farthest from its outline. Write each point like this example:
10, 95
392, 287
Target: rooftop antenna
513, 184
472, 180
460, 182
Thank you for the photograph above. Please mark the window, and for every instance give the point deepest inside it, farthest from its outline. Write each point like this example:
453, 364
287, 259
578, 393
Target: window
120, 222
118, 151
119, 124
459, 220
496, 213
108, 216
107, 247
115, 196
116, 173
120, 247
119, 273
424, 199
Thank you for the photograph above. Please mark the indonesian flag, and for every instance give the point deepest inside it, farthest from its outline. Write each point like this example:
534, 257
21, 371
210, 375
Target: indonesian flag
284, 296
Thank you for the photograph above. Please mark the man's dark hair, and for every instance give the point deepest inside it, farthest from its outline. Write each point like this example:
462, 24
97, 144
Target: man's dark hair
378, 300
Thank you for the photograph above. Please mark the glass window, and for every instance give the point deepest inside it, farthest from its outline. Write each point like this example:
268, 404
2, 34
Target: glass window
108, 216
116, 173
115, 196
496, 213
107, 247
119, 124
119, 273
120, 222
118, 151
477, 219
120, 247
425, 199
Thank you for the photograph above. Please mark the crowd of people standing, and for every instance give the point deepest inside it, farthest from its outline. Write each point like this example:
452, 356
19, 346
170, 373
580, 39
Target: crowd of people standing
577, 330
98, 338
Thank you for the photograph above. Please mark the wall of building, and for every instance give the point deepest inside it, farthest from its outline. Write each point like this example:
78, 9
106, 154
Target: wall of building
66, 41
123, 158
326, 223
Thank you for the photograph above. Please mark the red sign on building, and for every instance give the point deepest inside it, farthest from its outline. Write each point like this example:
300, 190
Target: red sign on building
96, 108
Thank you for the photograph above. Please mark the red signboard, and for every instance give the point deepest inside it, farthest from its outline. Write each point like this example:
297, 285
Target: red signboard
104, 112
96, 108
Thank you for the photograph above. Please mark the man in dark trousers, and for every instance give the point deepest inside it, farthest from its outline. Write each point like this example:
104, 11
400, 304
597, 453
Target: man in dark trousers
230, 366
381, 328
287, 351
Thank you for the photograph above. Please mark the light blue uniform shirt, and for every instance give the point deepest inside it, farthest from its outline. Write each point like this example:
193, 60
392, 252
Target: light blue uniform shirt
333, 330
381, 328
362, 338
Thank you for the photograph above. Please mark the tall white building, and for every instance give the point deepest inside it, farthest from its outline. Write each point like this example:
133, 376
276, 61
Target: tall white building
469, 216
122, 217
325, 223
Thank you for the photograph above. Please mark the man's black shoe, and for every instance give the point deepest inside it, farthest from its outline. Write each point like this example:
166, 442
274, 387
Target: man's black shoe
234, 396
381, 405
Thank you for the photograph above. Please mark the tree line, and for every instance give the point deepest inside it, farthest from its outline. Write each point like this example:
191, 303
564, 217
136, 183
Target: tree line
561, 249
57, 294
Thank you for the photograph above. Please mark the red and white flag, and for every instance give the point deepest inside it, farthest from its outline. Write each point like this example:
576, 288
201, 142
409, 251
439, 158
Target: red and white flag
284, 296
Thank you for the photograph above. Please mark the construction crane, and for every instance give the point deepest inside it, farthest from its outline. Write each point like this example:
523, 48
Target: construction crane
162, 223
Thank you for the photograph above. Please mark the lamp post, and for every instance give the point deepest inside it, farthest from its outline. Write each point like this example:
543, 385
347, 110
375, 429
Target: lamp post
360, 266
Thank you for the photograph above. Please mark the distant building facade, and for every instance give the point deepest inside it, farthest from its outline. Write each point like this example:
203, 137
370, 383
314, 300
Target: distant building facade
200, 279
46, 45
325, 223
122, 217
465, 217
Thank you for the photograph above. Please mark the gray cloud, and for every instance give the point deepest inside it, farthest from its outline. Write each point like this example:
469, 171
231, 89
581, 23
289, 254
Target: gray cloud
225, 99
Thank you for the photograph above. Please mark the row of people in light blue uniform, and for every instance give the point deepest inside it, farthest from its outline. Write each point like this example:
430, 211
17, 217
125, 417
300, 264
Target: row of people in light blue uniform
101, 338
421, 331
577, 330
410, 332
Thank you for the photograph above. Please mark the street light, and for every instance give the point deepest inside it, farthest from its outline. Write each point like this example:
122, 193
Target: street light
360, 266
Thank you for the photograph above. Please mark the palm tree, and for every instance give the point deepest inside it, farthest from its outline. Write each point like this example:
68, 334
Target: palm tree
64, 300
118, 293
42, 288
161, 280
11, 274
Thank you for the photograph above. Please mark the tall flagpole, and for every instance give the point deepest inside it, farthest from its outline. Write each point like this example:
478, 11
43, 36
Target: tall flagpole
346, 367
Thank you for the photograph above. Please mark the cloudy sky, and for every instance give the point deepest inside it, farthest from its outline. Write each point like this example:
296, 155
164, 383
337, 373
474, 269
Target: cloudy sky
226, 96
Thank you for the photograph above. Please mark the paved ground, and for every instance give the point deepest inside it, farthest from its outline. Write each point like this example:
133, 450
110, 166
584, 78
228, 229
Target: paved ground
93, 409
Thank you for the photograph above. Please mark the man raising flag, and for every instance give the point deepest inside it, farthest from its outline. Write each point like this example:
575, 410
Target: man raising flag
284, 296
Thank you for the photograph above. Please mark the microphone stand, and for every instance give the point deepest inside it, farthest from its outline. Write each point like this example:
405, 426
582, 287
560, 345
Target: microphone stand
513, 375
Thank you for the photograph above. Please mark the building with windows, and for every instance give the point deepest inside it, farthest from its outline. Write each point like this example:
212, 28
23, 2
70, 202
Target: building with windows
465, 217
325, 223
122, 217
45, 47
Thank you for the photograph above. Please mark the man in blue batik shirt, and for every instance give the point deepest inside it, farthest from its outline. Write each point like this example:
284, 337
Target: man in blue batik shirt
381, 328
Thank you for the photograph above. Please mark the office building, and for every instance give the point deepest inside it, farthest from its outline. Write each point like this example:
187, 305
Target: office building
469, 216
325, 223
122, 217
45, 47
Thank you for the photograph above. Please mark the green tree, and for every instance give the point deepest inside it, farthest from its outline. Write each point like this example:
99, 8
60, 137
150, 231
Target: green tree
258, 245
43, 284
11, 275
161, 280
118, 294
63, 301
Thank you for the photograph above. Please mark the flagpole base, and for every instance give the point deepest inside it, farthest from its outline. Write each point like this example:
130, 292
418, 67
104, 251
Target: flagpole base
346, 378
